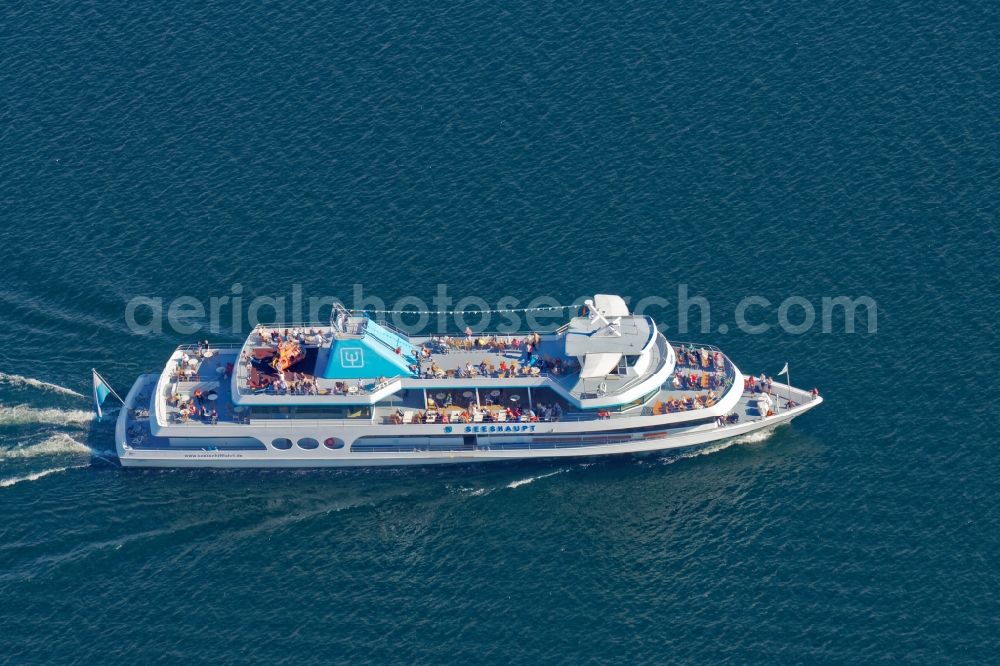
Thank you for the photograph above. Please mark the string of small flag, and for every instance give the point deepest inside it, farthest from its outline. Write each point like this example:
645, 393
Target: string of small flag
546, 308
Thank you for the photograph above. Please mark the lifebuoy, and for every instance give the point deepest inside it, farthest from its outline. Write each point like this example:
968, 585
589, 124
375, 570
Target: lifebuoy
603, 387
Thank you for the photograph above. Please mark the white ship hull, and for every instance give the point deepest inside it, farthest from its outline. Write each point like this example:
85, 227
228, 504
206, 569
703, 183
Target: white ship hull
220, 453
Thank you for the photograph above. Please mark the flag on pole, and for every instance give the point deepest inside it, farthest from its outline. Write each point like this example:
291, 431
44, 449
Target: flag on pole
784, 370
101, 391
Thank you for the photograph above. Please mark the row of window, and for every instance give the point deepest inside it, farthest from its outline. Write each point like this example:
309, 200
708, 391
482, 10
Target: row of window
307, 443
310, 413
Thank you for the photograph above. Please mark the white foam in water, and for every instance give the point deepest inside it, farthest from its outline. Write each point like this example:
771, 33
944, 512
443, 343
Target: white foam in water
754, 437
57, 444
34, 476
708, 450
18, 380
749, 438
530, 479
23, 414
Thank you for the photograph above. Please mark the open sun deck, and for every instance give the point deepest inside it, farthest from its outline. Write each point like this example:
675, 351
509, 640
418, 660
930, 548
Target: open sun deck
198, 386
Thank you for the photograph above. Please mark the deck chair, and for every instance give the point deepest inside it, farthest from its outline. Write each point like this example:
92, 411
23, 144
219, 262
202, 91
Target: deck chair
408, 416
477, 417
501, 415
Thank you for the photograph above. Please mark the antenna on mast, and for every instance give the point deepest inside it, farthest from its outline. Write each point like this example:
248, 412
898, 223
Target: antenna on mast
612, 327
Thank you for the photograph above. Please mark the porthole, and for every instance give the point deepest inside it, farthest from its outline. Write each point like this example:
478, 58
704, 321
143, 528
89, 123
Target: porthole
333, 443
282, 443
308, 443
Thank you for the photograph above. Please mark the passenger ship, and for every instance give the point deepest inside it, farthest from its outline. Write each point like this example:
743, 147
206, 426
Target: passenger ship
360, 393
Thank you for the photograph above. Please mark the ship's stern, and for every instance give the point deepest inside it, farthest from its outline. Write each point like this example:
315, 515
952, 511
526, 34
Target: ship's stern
142, 389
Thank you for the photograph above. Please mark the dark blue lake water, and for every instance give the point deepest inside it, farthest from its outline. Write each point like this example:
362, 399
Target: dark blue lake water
509, 149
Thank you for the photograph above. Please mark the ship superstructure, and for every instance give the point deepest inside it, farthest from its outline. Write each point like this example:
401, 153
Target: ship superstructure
359, 392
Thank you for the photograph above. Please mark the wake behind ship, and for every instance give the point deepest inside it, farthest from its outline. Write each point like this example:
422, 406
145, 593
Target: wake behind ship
359, 393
